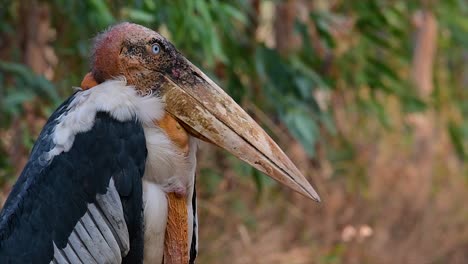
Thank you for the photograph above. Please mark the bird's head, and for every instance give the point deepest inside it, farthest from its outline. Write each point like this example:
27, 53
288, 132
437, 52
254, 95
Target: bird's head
152, 64
136, 52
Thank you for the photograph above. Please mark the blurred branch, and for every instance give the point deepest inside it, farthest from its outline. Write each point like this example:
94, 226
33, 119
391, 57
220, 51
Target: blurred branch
36, 38
423, 123
284, 26
424, 52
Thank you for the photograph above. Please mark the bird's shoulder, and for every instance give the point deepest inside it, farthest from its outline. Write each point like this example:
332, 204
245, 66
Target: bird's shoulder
60, 181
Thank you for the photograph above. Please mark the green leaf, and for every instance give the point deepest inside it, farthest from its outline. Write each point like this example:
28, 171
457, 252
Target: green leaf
138, 16
150, 4
456, 136
45, 86
413, 104
231, 11
104, 17
12, 102
303, 128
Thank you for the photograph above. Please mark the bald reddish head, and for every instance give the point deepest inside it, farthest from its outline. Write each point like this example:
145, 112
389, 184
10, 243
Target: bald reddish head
135, 52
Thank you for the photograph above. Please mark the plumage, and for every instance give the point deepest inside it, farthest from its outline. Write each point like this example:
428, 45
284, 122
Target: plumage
111, 178
88, 162
51, 199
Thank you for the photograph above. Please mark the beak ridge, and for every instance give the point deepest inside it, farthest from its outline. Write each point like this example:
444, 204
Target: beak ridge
205, 108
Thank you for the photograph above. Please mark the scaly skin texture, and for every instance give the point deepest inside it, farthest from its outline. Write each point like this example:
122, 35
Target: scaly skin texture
126, 50
175, 242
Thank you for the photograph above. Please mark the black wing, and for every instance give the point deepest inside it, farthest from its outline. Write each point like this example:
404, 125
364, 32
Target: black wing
56, 207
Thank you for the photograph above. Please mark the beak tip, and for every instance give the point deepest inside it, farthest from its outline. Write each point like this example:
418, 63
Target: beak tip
305, 188
212, 114
314, 196
317, 199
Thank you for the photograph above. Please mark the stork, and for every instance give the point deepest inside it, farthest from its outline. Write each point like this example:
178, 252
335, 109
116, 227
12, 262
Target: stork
111, 177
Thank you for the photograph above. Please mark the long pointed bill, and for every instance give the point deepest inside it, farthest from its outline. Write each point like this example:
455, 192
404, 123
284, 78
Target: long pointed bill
211, 114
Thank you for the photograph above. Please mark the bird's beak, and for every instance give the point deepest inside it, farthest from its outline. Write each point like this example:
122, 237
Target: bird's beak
207, 112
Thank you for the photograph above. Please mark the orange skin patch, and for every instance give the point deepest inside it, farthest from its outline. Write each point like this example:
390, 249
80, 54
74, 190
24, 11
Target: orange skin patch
176, 238
88, 81
175, 132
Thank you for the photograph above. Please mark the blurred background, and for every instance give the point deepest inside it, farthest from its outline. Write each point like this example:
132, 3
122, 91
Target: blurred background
368, 97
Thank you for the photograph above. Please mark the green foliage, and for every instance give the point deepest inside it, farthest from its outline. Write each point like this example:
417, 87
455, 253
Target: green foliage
453, 69
383, 49
27, 86
219, 36
289, 84
456, 135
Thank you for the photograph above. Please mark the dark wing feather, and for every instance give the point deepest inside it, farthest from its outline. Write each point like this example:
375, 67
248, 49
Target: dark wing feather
49, 199
193, 246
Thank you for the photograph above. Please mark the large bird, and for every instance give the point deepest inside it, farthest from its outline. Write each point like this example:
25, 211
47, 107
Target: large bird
111, 177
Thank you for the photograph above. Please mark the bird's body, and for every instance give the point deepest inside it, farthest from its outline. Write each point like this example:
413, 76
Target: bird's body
111, 178
115, 167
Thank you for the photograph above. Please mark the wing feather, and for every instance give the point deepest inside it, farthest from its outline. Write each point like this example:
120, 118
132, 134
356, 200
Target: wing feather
83, 206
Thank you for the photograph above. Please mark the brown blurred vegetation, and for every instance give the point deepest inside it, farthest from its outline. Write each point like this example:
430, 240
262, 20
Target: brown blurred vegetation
369, 101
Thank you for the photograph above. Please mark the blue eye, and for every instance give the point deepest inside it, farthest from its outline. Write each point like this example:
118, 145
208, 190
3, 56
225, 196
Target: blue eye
155, 48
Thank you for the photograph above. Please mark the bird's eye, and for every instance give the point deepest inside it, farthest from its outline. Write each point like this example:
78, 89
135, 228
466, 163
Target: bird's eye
156, 49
